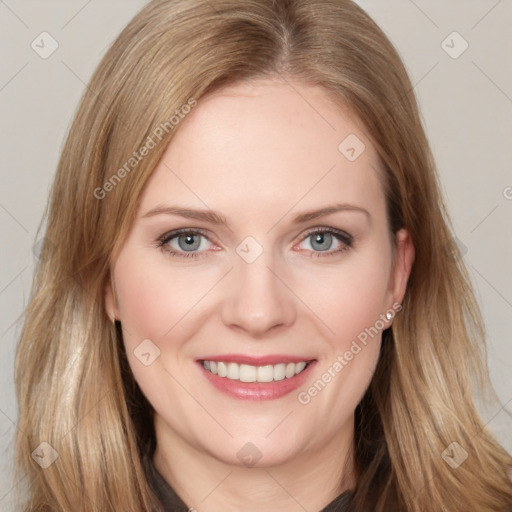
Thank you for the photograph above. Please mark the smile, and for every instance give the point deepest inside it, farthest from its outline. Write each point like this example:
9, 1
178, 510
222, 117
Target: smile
256, 378
249, 373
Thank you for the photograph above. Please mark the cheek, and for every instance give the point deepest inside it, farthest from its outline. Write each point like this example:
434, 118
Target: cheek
153, 300
349, 298
354, 305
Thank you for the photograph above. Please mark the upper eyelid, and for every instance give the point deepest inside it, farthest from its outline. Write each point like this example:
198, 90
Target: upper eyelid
167, 237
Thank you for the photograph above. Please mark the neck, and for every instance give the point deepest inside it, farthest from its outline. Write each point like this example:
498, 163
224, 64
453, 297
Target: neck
309, 481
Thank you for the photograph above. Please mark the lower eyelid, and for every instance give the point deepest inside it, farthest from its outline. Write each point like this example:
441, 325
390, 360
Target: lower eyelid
345, 239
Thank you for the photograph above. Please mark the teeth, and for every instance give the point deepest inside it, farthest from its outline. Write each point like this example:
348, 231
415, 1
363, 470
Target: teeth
299, 367
290, 370
279, 371
265, 373
248, 373
221, 369
233, 371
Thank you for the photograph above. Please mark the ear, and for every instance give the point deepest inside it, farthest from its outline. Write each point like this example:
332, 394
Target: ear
111, 308
402, 264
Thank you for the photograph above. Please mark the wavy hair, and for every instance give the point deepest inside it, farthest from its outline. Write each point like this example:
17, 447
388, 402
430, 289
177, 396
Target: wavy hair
74, 387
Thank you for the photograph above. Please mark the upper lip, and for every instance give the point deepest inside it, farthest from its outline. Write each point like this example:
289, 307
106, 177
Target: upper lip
257, 360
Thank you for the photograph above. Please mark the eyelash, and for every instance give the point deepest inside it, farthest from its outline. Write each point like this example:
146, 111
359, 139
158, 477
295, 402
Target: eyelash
345, 238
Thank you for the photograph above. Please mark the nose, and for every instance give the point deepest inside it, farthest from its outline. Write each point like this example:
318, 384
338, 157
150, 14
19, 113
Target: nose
257, 300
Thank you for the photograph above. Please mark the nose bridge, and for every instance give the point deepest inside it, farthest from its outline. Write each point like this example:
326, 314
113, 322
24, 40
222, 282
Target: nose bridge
256, 299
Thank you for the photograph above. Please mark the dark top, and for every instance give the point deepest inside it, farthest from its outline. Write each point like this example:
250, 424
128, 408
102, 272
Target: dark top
172, 503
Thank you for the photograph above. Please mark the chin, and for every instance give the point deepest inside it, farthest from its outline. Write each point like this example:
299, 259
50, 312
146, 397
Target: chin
256, 451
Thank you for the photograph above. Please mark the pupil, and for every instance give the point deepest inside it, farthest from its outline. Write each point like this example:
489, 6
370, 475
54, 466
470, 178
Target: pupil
188, 242
322, 239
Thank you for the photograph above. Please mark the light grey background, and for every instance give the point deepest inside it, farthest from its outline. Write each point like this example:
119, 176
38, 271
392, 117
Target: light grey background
466, 105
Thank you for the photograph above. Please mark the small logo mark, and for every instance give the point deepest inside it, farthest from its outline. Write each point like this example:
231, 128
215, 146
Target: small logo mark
352, 147
454, 45
454, 455
249, 249
45, 455
147, 352
249, 454
44, 45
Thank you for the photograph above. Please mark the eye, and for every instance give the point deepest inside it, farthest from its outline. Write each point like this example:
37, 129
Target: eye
188, 243
184, 243
328, 241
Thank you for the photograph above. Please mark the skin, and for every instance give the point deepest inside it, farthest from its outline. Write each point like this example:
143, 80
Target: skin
259, 154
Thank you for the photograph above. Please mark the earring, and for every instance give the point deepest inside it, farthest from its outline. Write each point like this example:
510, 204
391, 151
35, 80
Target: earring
389, 316
114, 320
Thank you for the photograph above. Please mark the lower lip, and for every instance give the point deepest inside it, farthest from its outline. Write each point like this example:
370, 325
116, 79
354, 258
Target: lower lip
257, 390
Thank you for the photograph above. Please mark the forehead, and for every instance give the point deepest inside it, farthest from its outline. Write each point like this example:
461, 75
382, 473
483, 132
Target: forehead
272, 143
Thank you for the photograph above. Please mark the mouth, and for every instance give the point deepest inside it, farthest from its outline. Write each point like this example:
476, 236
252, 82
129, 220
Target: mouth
250, 373
263, 378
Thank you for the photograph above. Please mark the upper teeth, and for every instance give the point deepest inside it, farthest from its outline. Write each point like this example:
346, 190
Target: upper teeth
248, 373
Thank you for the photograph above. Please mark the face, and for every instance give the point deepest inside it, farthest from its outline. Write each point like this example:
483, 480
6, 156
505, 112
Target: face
253, 286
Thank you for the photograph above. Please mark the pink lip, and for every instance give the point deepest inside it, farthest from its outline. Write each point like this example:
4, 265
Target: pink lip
257, 390
256, 360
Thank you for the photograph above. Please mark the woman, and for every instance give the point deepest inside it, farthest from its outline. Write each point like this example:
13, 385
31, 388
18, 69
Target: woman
249, 297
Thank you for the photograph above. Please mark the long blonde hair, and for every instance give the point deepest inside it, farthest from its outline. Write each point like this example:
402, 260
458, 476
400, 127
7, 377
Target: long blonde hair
74, 387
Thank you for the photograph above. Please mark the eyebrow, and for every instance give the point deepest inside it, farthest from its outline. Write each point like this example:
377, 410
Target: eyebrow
216, 218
